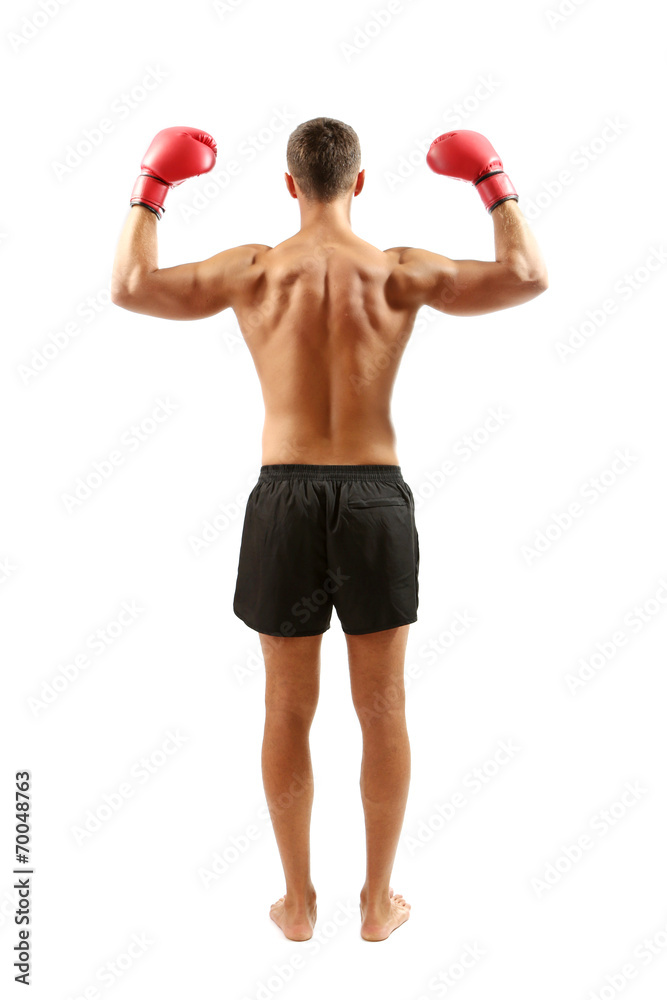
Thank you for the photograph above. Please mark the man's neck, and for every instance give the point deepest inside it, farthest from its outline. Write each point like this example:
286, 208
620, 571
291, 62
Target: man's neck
332, 218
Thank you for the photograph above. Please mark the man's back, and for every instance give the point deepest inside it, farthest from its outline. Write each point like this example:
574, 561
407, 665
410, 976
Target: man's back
326, 331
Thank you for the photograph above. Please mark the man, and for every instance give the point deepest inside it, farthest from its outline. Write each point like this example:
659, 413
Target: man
330, 522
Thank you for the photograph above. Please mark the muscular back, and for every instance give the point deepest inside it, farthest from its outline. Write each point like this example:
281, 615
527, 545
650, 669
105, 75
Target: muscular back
326, 329
326, 317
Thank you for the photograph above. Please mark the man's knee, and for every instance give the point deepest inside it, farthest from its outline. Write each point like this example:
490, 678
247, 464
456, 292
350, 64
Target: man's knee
290, 711
382, 705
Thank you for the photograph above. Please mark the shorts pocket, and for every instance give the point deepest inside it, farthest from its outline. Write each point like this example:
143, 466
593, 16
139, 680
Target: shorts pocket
378, 502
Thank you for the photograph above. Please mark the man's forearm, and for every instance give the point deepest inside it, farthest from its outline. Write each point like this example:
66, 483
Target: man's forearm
136, 253
515, 243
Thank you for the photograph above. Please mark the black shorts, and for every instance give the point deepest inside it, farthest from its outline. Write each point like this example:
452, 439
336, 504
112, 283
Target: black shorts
322, 536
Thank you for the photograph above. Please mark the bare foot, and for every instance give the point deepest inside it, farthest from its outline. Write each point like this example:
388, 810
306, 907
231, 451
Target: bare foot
378, 922
295, 921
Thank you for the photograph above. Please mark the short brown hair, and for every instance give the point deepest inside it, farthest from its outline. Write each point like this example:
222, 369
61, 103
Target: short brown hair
323, 157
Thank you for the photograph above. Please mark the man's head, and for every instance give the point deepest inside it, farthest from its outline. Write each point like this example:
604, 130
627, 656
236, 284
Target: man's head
323, 158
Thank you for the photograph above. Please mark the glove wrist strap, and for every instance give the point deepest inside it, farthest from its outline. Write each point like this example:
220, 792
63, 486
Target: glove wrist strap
494, 188
151, 192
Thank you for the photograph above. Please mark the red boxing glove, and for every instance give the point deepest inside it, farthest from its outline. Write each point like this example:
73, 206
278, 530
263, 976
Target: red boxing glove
469, 156
174, 155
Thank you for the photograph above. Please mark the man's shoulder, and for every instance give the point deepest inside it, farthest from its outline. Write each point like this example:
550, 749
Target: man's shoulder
244, 254
251, 249
410, 275
401, 255
237, 261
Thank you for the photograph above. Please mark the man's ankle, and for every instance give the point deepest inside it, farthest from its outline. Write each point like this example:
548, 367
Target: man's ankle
374, 894
297, 894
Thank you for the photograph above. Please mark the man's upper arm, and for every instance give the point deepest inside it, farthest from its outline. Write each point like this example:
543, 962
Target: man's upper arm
193, 291
459, 287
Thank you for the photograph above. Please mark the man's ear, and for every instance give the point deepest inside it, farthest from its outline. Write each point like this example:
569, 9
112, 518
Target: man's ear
360, 182
290, 184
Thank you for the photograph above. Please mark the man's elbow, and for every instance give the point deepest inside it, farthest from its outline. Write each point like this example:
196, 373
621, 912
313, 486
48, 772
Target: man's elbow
533, 282
130, 289
540, 283
128, 298
119, 293
124, 298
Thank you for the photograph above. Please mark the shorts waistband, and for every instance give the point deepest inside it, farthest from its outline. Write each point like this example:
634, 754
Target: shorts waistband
339, 472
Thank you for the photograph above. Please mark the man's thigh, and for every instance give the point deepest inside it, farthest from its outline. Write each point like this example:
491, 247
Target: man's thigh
292, 673
377, 664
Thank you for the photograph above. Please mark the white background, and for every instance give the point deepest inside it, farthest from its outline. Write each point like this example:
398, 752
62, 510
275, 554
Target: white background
186, 664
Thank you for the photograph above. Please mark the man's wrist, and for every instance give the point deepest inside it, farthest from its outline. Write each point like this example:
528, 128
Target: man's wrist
142, 204
506, 207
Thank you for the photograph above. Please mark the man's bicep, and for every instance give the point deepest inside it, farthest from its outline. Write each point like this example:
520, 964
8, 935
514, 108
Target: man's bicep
195, 290
218, 281
464, 287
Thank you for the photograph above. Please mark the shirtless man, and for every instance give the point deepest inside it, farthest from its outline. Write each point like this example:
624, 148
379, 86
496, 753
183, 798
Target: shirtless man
326, 317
